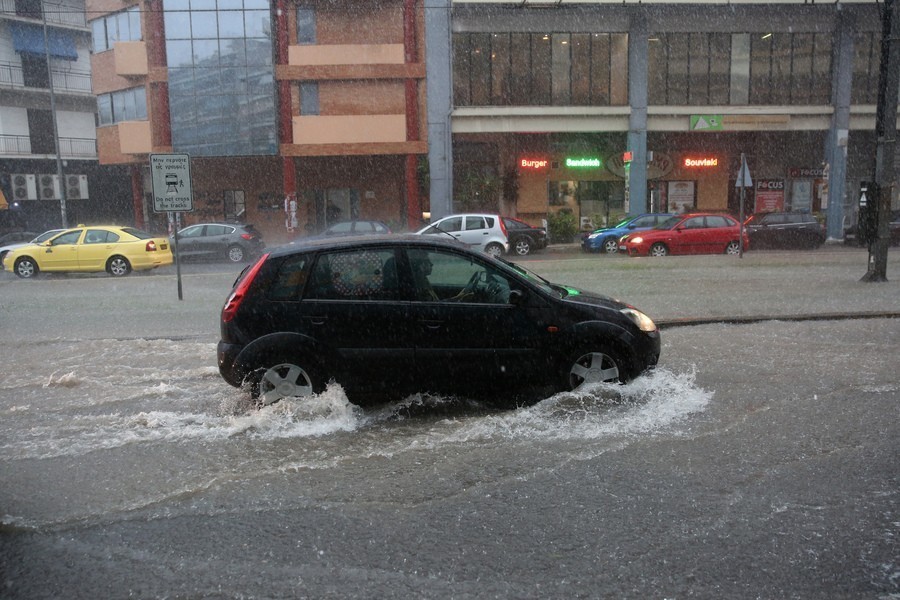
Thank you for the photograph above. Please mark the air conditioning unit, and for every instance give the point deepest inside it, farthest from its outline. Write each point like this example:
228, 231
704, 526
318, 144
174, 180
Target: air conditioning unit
24, 187
76, 187
48, 187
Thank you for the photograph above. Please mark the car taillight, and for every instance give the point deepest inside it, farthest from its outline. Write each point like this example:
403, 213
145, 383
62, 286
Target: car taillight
151, 246
237, 296
246, 236
503, 228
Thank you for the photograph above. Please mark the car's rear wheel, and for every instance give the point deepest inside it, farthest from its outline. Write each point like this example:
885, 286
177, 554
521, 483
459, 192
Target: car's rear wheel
494, 249
658, 249
733, 248
523, 245
284, 380
592, 365
610, 245
235, 253
26, 268
118, 266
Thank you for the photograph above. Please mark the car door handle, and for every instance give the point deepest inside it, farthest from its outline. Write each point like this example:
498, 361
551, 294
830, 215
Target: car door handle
431, 324
318, 320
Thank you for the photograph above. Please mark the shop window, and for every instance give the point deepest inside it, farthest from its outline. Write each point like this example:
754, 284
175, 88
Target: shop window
306, 25
235, 206
866, 67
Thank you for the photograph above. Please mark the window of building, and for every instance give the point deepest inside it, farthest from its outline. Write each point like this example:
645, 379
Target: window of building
221, 77
866, 66
790, 68
124, 26
563, 69
689, 68
124, 105
306, 25
235, 204
309, 98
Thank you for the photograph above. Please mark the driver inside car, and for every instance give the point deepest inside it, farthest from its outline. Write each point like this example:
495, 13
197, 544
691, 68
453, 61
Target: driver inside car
481, 285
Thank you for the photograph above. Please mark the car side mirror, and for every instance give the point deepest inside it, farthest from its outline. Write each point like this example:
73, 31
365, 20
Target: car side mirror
516, 297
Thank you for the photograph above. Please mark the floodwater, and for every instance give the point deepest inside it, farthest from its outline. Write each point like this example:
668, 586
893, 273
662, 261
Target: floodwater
151, 421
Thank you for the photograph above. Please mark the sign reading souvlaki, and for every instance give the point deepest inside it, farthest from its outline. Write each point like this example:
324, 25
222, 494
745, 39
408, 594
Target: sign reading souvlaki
171, 178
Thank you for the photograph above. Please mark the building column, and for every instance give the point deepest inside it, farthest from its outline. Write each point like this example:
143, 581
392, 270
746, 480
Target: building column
439, 88
638, 48
137, 195
411, 56
838, 135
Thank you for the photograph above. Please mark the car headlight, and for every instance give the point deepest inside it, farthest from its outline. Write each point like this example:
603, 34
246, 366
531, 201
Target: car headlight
636, 240
643, 322
594, 236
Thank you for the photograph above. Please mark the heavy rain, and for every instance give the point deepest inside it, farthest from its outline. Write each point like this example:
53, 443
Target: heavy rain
757, 459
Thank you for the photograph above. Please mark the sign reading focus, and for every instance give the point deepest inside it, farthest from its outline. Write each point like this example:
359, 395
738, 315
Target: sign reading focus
171, 177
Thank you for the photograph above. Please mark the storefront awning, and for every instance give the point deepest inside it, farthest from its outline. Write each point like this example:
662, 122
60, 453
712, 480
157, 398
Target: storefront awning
29, 39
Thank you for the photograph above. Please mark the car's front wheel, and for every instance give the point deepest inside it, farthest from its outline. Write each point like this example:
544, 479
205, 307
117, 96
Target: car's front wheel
733, 248
658, 249
235, 253
610, 245
494, 249
284, 380
118, 266
523, 245
26, 268
593, 365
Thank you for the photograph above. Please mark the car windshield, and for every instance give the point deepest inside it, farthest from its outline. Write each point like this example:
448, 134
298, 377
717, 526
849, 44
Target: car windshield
623, 223
530, 276
45, 236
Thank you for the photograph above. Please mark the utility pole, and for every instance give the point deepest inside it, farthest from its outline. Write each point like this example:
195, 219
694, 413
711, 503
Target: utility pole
886, 133
59, 165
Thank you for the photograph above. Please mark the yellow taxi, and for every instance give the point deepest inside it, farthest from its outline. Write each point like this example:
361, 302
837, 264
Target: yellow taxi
91, 249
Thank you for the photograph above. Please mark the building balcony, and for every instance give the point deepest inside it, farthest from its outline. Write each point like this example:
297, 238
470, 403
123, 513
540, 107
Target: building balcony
348, 61
131, 59
54, 12
124, 142
64, 81
20, 145
334, 135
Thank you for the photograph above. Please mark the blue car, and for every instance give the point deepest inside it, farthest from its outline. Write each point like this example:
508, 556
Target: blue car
607, 239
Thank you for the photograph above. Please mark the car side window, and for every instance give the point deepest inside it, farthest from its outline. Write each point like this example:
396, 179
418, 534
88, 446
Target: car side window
441, 276
694, 223
217, 230
367, 274
291, 278
716, 221
644, 222
67, 238
95, 236
448, 225
190, 232
474, 223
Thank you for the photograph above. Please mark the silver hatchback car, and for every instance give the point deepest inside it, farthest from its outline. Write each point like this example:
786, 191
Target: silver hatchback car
485, 232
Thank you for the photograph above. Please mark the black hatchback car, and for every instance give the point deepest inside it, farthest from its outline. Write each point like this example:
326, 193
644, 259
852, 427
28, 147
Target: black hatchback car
784, 230
393, 315
524, 238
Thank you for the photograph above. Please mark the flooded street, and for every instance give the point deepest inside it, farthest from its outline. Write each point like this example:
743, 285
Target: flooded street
756, 461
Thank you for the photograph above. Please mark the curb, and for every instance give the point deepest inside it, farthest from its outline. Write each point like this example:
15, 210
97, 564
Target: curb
692, 321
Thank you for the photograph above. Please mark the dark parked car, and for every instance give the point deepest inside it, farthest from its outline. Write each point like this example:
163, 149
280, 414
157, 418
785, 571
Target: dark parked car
524, 238
393, 315
358, 227
236, 242
851, 237
785, 230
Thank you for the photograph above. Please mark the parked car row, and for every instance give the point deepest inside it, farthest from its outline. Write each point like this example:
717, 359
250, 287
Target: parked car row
659, 234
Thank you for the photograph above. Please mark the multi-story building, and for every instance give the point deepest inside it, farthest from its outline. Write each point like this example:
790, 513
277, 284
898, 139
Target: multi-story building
35, 79
295, 115
547, 97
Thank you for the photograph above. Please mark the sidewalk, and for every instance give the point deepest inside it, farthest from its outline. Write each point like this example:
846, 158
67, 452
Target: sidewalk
762, 285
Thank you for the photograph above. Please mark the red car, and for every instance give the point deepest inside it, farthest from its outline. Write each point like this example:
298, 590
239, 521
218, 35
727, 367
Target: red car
694, 233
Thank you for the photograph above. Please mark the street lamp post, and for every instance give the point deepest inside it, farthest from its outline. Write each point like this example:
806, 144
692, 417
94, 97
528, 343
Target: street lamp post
59, 165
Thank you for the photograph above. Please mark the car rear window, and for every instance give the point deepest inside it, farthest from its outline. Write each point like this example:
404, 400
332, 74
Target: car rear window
368, 274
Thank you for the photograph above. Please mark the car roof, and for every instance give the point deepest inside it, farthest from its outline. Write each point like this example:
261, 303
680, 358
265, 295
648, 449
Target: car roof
368, 240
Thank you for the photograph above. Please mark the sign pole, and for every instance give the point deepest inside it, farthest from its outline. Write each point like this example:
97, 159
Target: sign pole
172, 194
743, 181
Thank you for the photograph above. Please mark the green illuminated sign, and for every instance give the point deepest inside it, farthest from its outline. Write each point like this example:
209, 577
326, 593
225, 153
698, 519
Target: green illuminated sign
583, 163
